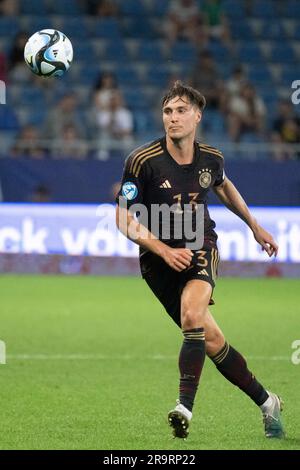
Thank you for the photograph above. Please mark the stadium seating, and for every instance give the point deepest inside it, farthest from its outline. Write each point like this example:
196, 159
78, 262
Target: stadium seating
131, 46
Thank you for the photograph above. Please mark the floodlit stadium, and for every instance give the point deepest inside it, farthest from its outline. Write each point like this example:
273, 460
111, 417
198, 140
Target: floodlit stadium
88, 355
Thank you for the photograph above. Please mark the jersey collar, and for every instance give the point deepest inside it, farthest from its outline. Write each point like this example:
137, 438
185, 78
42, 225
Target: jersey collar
187, 166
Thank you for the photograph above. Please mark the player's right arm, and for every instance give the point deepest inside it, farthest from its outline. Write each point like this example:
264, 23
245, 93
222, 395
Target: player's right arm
131, 192
177, 258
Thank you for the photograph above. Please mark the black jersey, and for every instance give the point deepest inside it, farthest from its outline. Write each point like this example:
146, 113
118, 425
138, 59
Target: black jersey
152, 176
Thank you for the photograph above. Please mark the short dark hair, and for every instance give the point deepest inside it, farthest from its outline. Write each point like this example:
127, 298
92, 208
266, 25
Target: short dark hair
179, 89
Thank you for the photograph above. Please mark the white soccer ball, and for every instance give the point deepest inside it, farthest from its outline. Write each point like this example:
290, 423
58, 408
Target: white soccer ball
48, 53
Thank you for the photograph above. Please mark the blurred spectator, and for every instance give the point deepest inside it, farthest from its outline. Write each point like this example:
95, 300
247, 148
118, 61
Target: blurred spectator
206, 78
236, 81
64, 114
16, 65
184, 21
104, 90
9, 7
17, 51
115, 122
100, 7
28, 144
285, 130
287, 123
69, 145
279, 150
216, 21
3, 67
246, 113
40, 194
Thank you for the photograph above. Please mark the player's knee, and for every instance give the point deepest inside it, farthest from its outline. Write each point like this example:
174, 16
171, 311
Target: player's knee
191, 318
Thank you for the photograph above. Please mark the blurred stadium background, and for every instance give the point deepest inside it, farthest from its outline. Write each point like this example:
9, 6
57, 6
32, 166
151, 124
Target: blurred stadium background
63, 144
64, 140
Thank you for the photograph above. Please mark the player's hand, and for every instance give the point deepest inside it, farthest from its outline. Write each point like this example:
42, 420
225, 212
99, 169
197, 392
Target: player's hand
265, 240
177, 258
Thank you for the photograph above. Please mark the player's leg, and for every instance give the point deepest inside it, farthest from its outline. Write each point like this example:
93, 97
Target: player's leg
164, 283
194, 300
233, 367
230, 362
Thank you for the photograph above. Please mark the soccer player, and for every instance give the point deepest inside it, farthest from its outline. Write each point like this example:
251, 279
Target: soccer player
177, 171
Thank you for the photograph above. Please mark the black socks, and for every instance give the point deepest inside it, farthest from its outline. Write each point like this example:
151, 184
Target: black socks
191, 360
233, 366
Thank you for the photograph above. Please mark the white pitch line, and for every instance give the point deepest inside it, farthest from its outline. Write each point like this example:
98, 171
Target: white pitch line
269, 358
103, 357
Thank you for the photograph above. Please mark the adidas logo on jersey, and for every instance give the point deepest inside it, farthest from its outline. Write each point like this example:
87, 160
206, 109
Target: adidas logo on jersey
204, 272
166, 184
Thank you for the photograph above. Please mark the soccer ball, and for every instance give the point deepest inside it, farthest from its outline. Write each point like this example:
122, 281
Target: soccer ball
48, 53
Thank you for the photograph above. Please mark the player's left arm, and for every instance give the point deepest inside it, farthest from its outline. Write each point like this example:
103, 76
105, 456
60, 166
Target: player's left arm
232, 199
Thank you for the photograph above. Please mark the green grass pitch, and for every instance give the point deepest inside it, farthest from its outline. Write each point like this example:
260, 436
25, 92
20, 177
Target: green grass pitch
92, 364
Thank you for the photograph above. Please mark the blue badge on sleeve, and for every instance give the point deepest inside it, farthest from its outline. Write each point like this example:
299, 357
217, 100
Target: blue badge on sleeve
129, 190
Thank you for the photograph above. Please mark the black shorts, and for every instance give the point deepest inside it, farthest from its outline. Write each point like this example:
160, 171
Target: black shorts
167, 284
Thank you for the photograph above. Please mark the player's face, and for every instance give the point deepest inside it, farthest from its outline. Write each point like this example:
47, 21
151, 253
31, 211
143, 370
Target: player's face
180, 118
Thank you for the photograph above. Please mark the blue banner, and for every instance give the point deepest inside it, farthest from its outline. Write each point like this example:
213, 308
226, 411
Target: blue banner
78, 229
